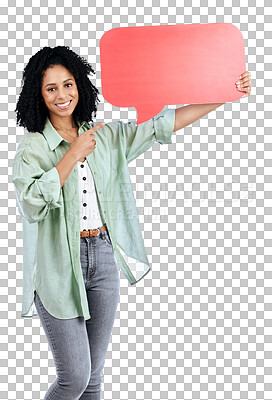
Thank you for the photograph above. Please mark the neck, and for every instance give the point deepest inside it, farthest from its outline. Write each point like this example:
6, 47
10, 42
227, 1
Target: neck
65, 123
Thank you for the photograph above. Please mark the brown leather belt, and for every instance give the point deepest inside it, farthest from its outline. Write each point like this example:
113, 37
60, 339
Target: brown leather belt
93, 232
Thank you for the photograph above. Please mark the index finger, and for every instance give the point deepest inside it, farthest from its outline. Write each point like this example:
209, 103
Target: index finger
245, 74
96, 127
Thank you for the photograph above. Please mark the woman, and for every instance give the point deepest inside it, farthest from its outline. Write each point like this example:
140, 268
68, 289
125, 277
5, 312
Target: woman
74, 193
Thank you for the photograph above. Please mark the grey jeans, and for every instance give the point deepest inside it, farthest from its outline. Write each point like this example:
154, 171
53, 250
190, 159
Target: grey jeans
79, 347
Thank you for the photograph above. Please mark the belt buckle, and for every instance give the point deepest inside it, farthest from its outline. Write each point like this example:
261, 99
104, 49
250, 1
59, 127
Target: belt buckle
97, 229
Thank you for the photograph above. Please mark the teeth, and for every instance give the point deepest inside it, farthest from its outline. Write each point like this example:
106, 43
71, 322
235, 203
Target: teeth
63, 104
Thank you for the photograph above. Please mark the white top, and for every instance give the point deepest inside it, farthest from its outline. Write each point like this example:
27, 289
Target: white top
90, 217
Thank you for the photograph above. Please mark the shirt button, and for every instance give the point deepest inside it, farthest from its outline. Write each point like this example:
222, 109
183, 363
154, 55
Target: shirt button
95, 172
100, 192
84, 191
84, 204
84, 178
84, 217
82, 166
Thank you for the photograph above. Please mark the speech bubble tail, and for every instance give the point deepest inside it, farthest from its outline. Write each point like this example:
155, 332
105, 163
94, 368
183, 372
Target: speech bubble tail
147, 112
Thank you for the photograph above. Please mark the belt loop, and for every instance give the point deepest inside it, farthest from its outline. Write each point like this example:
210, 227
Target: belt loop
103, 232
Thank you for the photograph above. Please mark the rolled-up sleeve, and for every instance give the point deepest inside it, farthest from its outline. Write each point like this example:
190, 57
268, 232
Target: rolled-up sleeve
136, 139
164, 124
37, 191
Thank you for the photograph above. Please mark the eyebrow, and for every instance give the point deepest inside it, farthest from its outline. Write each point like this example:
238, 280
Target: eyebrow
69, 79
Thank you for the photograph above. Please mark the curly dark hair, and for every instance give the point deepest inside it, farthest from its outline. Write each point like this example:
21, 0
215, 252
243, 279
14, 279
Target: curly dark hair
31, 110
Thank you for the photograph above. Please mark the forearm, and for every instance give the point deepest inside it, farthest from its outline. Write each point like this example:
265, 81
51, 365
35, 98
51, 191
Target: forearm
65, 166
186, 115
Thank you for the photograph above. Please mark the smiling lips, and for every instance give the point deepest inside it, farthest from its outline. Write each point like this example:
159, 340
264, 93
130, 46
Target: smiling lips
63, 106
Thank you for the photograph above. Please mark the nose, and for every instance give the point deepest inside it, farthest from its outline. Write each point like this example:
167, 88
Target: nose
61, 95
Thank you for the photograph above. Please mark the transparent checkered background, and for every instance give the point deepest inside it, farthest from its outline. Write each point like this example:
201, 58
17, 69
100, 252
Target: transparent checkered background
199, 325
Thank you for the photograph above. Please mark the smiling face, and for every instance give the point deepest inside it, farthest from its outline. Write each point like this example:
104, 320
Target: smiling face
60, 94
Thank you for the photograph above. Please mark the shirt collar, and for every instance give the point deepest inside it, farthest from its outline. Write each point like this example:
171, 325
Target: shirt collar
53, 137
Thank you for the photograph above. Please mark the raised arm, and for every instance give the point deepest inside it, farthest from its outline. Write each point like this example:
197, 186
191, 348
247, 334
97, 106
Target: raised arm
186, 115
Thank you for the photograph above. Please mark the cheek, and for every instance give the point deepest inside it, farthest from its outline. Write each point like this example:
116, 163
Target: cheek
74, 90
47, 98
75, 93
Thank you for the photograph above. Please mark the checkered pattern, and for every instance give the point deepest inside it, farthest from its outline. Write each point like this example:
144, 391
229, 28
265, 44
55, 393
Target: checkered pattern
199, 325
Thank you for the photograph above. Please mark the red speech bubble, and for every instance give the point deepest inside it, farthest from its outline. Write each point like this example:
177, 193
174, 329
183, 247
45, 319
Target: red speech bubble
148, 67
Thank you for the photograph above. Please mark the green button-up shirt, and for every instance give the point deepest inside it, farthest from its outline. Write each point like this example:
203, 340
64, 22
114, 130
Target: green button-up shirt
51, 214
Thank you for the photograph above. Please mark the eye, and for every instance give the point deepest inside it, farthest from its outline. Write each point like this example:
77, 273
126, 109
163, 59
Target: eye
49, 90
